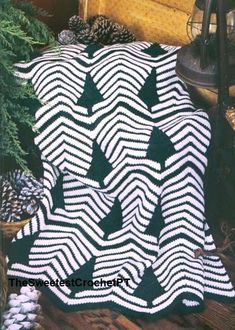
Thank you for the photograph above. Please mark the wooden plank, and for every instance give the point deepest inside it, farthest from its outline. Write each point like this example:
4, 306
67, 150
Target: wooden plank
185, 6
126, 324
83, 7
218, 316
149, 19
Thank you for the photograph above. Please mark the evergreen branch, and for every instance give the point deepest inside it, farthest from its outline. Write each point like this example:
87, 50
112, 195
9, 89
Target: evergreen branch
8, 28
20, 32
31, 9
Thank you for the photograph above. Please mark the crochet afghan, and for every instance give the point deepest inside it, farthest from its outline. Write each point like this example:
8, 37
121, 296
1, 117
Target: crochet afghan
124, 153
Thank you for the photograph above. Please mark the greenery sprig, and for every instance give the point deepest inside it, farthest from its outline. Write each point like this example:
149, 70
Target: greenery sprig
21, 35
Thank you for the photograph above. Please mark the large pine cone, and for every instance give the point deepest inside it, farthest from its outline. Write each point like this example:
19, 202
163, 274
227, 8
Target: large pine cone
92, 19
77, 24
10, 206
102, 27
23, 310
20, 195
121, 34
86, 37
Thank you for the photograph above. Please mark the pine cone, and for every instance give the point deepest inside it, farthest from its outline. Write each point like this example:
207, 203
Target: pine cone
15, 210
102, 27
77, 24
92, 19
23, 312
16, 179
67, 37
30, 199
122, 35
20, 194
10, 206
86, 37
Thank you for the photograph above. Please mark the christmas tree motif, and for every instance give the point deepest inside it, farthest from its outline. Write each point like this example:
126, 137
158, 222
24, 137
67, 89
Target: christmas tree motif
149, 288
154, 50
90, 95
160, 147
85, 272
57, 193
148, 93
156, 223
100, 167
113, 221
92, 48
23, 247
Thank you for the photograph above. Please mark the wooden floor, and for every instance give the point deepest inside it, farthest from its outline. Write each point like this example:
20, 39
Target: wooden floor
216, 316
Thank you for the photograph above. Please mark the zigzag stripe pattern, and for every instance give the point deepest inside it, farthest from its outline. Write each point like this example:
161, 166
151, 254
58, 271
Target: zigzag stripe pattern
124, 154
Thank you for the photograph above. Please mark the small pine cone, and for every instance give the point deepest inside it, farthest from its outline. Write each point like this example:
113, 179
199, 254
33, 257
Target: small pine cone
8, 201
103, 29
17, 179
77, 24
122, 35
31, 207
86, 37
67, 37
92, 19
15, 211
7, 192
30, 198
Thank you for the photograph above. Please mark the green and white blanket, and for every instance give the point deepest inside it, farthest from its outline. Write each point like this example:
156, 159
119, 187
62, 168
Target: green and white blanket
124, 155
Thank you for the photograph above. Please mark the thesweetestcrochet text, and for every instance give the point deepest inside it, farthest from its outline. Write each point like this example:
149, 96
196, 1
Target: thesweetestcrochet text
78, 282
